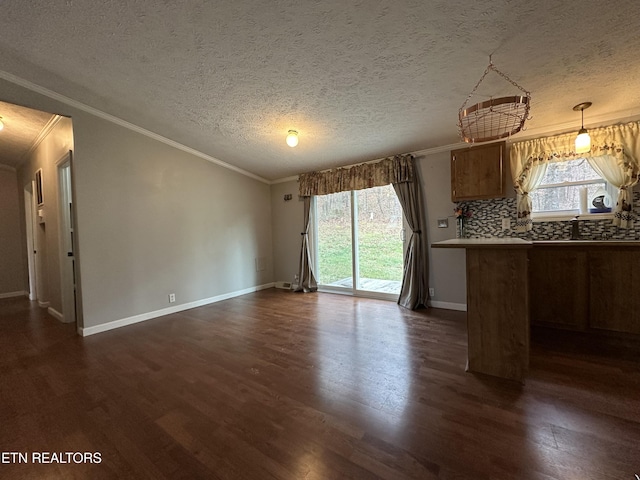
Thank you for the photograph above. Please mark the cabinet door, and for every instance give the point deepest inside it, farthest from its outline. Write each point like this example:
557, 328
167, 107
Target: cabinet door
478, 172
559, 288
613, 303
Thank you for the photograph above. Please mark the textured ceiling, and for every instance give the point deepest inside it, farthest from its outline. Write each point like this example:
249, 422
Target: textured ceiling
22, 128
360, 80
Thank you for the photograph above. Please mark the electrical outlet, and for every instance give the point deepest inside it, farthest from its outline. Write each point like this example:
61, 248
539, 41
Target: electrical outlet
506, 224
172, 297
432, 292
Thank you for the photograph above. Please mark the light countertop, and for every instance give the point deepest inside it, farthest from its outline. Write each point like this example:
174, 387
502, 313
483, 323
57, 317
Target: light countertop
509, 242
587, 243
483, 243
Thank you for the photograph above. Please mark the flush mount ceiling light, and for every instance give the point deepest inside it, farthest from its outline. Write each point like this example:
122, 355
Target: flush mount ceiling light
583, 141
292, 138
494, 118
1, 124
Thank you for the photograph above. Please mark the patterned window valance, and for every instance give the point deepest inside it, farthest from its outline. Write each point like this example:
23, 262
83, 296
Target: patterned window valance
396, 169
614, 154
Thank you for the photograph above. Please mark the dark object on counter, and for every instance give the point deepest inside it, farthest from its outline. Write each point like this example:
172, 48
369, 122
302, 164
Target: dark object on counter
575, 229
601, 202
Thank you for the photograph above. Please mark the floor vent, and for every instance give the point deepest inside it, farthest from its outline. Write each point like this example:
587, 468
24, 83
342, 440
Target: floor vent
284, 285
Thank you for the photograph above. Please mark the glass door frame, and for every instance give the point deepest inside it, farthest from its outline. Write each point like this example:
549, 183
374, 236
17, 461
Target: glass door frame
355, 268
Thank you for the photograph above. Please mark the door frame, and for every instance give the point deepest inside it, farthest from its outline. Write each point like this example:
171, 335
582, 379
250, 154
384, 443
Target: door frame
355, 270
30, 218
66, 241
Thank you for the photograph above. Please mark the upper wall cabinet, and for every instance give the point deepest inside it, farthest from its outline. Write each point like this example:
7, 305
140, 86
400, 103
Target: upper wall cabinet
478, 172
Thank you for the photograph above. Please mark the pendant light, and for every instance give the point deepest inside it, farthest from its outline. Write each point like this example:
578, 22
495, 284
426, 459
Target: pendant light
583, 141
292, 138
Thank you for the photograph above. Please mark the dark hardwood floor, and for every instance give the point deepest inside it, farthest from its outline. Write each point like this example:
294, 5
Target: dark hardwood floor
277, 385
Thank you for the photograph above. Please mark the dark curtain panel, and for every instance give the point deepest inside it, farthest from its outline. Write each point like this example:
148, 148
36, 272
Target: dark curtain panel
415, 278
306, 279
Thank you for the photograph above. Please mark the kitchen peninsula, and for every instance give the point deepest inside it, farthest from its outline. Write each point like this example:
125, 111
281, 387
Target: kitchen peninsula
579, 285
497, 304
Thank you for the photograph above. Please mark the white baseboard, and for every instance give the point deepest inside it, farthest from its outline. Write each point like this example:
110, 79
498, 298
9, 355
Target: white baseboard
123, 322
461, 307
55, 314
14, 294
43, 304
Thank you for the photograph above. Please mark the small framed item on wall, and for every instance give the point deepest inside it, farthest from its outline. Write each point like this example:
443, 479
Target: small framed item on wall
39, 196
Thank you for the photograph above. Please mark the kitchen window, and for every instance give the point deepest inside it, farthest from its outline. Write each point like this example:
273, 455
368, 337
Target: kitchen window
558, 194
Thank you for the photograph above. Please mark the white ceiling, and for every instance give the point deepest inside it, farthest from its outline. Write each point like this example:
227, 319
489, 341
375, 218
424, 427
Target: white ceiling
22, 129
359, 79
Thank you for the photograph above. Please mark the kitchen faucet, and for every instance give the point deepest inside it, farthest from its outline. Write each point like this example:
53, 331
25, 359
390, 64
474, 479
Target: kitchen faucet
575, 228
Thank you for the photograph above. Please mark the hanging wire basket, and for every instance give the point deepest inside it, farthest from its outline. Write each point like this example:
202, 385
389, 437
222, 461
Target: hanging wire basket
495, 118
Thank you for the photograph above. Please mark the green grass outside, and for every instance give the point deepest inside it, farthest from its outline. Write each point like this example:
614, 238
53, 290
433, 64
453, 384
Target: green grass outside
380, 252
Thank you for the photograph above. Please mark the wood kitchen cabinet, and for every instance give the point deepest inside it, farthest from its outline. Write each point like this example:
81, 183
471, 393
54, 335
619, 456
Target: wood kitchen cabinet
586, 286
613, 282
559, 287
478, 172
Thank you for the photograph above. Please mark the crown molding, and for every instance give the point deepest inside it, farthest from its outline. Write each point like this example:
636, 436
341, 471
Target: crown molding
53, 121
284, 180
604, 120
123, 123
601, 120
611, 118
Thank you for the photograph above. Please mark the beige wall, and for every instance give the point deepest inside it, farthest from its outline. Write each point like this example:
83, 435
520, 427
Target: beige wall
447, 273
11, 250
287, 219
154, 220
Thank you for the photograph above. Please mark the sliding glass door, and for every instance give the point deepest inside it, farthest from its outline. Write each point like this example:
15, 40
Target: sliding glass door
334, 240
359, 241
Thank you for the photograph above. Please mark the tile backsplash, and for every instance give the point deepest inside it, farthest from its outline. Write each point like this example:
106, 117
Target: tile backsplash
486, 221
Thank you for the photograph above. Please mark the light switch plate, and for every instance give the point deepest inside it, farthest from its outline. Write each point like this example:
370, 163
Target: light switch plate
443, 222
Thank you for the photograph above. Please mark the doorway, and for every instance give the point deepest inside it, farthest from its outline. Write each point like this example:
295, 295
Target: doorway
40, 143
359, 242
